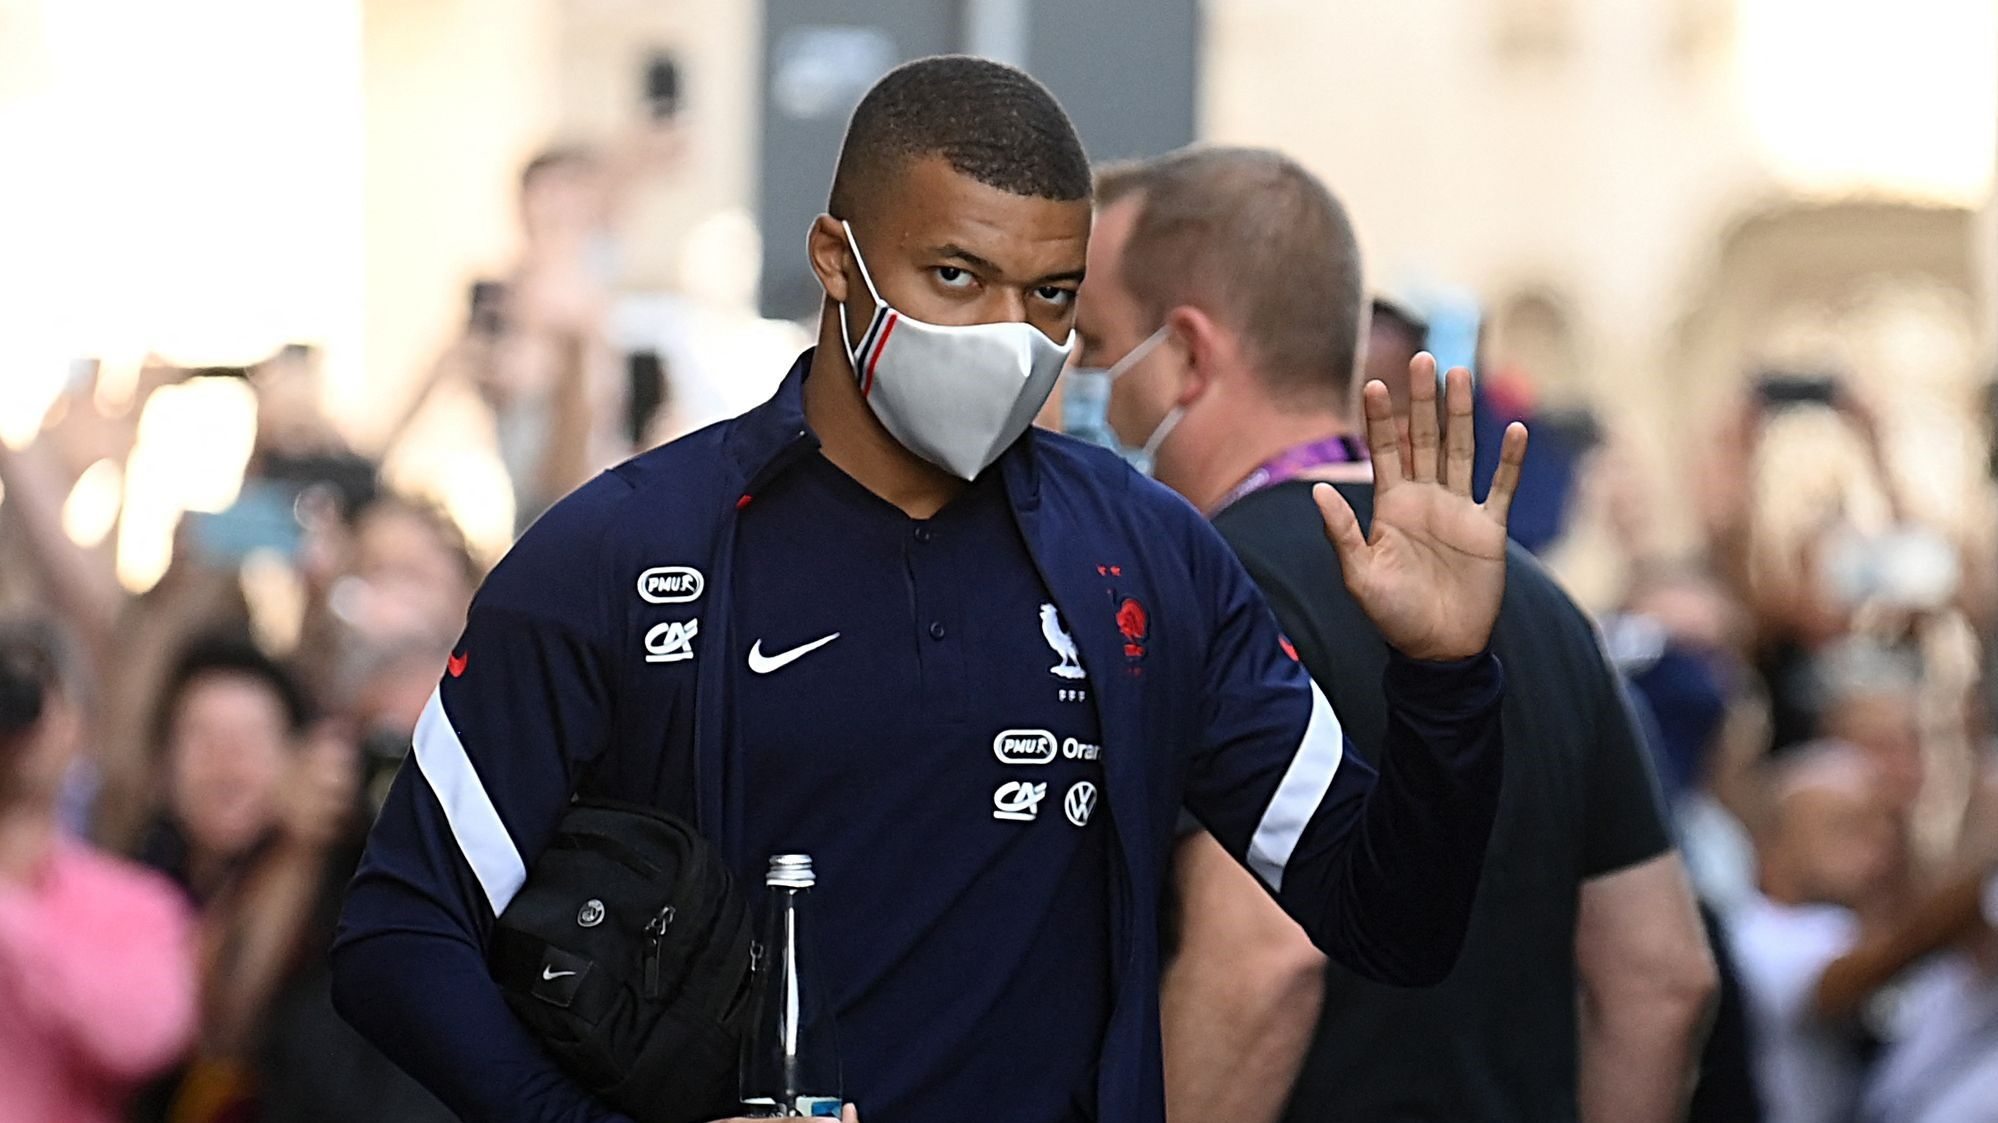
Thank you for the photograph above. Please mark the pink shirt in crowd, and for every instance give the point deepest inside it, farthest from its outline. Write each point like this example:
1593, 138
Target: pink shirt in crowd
97, 988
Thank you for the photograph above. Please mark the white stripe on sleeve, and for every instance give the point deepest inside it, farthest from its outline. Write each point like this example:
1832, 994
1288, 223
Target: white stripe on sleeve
1297, 797
475, 823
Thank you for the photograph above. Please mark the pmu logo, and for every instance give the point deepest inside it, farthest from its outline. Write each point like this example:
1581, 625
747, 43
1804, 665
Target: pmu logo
670, 584
1024, 746
1019, 801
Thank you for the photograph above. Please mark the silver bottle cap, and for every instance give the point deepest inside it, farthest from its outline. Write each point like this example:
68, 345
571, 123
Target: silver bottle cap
790, 871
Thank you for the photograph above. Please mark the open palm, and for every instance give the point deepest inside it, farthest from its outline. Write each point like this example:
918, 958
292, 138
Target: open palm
1431, 572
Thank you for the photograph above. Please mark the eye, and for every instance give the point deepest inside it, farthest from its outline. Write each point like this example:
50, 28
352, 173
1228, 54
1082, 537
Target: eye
1056, 295
953, 277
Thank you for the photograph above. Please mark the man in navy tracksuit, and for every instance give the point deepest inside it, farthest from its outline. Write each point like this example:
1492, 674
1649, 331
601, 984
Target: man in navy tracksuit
974, 670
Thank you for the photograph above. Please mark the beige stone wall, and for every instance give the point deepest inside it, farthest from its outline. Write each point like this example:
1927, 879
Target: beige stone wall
600, 56
1603, 153
459, 93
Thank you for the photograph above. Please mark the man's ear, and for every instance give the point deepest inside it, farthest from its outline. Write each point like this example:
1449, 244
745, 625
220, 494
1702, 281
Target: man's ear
1207, 345
826, 248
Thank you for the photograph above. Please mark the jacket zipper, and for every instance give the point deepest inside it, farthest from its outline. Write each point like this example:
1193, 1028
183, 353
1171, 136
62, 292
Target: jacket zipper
655, 934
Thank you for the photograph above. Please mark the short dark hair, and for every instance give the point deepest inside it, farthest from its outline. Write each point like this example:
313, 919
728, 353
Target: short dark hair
1252, 238
1397, 317
228, 654
28, 673
993, 122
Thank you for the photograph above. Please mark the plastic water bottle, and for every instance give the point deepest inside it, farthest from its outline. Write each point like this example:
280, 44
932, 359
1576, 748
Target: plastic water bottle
790, 1055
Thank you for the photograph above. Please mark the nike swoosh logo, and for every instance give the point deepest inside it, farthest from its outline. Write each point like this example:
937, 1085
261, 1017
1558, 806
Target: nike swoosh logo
548, 976
763, 664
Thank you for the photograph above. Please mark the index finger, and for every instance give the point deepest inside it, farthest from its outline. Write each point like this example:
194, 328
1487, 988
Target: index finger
1383, 441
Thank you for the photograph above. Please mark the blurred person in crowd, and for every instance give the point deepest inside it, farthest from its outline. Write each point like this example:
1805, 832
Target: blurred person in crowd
97, 971
980, 567
1507, 394
387, 689
301, 477
552, 380
1814, 949
1678, 642
536, 345
1686, 677
230, 721
84, 425
1224, 301
1396, 334
1680, 639
1943, 1067
297, 444
311, 1066
399, 575
1941, 1063
1876, 710
1808, 588
579, 371
412, 575
255, 799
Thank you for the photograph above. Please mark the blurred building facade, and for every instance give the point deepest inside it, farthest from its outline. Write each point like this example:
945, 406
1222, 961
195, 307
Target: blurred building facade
1690, 188
1648, 198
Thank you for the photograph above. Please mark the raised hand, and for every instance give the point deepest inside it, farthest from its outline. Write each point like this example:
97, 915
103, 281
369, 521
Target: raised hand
1432, 571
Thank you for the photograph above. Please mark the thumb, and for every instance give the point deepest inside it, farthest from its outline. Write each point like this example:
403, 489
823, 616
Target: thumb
851, 1114
1343, 528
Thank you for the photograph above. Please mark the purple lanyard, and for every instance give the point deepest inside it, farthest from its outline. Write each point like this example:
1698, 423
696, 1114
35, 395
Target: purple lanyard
1294, 462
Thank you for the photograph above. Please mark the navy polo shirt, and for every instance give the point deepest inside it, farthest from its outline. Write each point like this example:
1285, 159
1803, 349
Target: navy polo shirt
909, 710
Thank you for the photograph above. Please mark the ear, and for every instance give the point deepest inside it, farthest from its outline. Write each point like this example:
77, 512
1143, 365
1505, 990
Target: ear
1209, 348
826, 249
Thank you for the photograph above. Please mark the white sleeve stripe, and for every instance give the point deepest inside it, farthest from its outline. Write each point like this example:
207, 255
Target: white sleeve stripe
1297, 797
475, 822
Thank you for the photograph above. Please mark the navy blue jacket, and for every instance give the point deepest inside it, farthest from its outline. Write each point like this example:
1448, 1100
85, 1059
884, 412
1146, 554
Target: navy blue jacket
597, 659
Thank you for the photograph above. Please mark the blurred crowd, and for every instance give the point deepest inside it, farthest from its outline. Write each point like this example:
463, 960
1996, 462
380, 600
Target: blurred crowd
187, 773
1814, 682
227, 732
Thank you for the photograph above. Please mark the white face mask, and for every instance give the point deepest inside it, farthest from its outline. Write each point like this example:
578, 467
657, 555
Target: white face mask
1086, 403
957, 396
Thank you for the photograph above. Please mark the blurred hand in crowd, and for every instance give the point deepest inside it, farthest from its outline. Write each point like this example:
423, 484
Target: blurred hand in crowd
86, 424
317, 800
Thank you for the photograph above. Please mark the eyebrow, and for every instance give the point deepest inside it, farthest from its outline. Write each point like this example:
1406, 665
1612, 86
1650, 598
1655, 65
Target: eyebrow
982, 265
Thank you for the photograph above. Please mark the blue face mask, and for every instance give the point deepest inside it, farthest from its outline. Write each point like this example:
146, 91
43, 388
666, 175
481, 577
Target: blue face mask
1085, 406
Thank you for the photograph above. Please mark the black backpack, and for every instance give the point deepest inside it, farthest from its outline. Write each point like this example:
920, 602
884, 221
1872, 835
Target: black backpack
629, 953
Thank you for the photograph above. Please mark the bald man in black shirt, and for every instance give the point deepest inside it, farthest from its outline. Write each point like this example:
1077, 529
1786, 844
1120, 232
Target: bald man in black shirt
1225, 297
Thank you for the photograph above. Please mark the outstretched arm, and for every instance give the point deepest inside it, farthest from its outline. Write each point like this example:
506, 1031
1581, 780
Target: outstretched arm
1382, 877
524, 708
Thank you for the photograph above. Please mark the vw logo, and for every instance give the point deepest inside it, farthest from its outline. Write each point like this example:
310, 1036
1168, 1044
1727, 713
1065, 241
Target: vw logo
591, 914
1080, 803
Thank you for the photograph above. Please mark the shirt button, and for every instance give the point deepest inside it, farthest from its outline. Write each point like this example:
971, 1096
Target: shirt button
923, 534
936, 629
